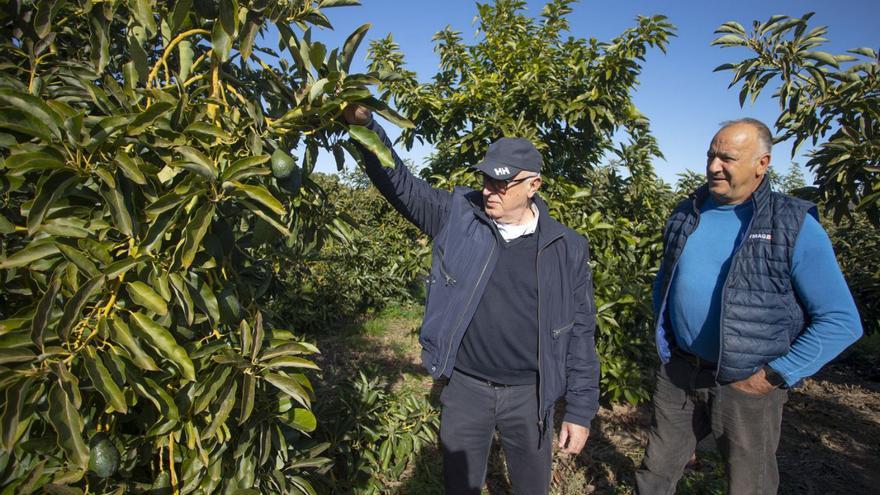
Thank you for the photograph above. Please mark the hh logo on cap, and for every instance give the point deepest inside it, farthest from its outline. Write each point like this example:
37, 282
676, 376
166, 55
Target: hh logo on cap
502, 171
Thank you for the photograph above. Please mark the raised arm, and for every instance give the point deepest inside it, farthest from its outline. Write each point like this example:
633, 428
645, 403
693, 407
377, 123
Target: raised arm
418, 202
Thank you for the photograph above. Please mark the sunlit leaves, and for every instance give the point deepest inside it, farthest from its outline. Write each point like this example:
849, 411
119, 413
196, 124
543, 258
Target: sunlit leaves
821, 101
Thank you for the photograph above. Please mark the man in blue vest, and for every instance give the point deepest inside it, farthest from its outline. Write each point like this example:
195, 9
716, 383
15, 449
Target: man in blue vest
749, 301
509, 317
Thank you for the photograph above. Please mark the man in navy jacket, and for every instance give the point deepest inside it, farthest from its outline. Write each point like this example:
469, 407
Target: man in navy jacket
509, 317
749, 301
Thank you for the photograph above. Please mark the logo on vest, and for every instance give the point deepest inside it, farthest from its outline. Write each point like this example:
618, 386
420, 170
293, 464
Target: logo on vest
763, 237
502, 171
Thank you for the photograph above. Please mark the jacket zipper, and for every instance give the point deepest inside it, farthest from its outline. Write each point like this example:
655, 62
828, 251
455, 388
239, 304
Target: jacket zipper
541, 414
461, 317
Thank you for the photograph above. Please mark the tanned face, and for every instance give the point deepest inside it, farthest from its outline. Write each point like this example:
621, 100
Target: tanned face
736, 163
511, 205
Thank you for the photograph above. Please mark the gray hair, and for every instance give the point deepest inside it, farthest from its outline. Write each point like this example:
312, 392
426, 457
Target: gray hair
765, 137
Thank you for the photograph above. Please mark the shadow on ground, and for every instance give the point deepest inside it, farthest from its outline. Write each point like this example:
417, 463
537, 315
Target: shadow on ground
831, 429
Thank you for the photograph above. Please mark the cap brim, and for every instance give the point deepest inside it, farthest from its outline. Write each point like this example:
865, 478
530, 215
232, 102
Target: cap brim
497, 170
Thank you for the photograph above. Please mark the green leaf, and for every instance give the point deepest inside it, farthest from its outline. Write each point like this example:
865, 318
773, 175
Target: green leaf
118, 210
291, 362
15, 356
260, 194
22, 163
143, 14
351, 45
196, 162
43, 312
371, 141
74, 307
207, 390
99, 42
300, 419
258, 336
823, 58
256, 210
34, 107
246, 167
248, 392
10, 421
117, 268
185, 54
183, 297
182, 9
729, 40
122, 335
82, 262
144, 119
130, 168
387, 112
103, 382
144, 295
194, 233
107, 128
49, 192
221, 41
160, 338
290, 387
20, 122
229, 16
248, 34
291, 349
207, 132
34, 251
67, 422
223, 411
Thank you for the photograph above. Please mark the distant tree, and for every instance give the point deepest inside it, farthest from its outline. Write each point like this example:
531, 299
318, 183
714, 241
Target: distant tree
792, 181
836, 107
526, 77
688, 182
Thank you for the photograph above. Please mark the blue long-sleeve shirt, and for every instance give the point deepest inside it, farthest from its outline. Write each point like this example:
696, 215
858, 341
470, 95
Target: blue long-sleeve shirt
694, 300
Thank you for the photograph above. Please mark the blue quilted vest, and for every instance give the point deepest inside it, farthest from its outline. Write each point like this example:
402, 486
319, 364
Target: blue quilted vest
760, 313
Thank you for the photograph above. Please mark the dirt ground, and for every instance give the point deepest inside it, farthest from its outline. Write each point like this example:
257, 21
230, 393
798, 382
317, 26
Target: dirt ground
830, 440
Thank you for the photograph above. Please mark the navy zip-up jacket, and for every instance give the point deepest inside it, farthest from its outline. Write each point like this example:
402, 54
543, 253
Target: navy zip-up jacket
465, 251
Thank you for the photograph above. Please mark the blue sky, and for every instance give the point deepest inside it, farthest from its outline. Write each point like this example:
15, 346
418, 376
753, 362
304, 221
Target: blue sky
679, 93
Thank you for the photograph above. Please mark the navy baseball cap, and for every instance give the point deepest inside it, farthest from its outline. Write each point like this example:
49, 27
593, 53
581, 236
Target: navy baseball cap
507, 156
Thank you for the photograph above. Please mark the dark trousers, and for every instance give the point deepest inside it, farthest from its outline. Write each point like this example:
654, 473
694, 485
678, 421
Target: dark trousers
472, 410
688, 406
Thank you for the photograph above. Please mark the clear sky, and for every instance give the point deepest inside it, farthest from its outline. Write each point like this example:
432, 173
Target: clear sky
679, 93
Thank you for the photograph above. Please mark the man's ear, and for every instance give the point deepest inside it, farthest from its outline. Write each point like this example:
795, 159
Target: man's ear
763, 165
535, 185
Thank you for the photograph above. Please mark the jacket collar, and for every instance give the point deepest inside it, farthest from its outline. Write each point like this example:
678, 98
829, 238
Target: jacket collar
548, 228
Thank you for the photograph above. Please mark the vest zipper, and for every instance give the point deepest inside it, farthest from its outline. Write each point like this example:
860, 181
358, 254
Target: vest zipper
724, 288
461, 317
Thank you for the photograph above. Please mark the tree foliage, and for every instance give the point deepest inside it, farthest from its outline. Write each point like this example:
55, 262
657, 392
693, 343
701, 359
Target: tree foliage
148, 182
831, 100
524, 77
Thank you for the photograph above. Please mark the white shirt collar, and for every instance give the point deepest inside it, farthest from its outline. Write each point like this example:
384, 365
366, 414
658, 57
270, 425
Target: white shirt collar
511, 231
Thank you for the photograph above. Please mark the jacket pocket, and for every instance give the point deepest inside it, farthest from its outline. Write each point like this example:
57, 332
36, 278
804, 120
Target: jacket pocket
557, 332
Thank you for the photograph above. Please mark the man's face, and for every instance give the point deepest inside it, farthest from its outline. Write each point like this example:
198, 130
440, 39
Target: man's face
735, 164
508, 202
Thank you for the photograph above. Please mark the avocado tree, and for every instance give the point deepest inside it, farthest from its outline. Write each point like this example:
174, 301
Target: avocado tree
147, 181
525, 77
832, 101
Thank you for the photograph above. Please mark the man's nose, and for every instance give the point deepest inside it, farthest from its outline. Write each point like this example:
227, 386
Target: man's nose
713, 165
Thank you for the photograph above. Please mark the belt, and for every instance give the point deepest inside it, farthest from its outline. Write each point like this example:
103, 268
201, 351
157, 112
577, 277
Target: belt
695, 361
484, 381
